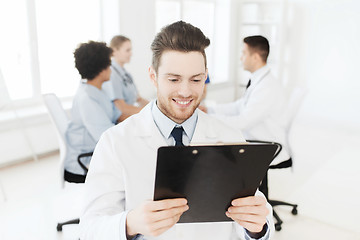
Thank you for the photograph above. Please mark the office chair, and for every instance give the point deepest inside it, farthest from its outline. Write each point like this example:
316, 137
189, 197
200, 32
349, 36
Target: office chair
60, 119
296, 98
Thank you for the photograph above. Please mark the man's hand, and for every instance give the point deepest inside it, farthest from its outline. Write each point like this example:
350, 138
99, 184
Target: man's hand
249, 212
152, 218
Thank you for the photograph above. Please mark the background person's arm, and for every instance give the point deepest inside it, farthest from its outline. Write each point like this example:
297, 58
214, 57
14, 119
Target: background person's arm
142, 102
126, 109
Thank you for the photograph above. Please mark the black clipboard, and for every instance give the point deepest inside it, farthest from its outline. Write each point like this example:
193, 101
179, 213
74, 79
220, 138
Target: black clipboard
210, 177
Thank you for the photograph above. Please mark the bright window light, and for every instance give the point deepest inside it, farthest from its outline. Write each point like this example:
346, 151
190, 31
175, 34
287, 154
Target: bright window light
167, 12
61, 26
15, 49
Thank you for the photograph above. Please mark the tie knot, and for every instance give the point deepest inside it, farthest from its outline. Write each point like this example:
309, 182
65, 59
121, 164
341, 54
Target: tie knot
177, 133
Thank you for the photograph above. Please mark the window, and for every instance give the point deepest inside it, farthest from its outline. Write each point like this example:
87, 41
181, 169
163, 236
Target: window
166, 13
38, 41
15, 49
61, 26
213, 18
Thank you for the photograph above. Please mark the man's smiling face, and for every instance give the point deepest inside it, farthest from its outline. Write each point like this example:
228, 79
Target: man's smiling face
180, 83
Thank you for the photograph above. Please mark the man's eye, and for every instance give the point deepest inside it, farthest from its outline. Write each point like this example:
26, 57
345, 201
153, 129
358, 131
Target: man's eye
173, 79
197, 80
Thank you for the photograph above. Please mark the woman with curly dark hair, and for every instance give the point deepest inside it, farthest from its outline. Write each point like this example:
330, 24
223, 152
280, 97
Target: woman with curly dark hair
92, 111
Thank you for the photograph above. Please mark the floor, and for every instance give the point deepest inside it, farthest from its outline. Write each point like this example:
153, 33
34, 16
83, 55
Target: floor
321, 183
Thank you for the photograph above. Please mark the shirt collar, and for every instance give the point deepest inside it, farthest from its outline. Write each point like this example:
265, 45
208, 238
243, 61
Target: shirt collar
90, 89
259, 74
117, 66
166, 125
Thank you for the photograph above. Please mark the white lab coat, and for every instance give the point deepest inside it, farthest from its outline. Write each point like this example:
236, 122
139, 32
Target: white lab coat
259, 113
122, 176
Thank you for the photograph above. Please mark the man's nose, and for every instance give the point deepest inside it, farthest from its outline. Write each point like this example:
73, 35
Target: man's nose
184, 89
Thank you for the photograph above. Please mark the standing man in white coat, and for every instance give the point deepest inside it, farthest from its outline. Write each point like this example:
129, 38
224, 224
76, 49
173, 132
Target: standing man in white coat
258, 114
120, 181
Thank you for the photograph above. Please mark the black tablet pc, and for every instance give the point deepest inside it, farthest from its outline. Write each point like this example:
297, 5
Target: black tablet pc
210, 177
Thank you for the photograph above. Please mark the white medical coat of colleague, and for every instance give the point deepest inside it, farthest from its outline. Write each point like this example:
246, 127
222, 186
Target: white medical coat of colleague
92, 113
259, 113
121, 85
122, 176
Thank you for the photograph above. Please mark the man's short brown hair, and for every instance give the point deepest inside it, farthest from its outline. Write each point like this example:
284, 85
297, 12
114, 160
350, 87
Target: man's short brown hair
117, 41
179, 36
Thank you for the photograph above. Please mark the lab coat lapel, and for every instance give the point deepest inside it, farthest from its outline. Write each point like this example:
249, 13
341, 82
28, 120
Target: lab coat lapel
204, 131
147, 130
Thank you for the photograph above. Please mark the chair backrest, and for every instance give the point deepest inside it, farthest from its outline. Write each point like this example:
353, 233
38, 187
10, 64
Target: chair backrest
295, 101
61, 121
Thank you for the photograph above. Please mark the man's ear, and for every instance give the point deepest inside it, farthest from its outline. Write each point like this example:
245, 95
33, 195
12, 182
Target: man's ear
152, 75
257, 57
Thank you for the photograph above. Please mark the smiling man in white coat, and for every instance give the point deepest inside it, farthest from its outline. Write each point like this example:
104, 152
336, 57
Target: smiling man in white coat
120, 181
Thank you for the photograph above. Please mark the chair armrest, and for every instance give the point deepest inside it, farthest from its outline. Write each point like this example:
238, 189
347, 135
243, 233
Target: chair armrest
283, 164
82, 165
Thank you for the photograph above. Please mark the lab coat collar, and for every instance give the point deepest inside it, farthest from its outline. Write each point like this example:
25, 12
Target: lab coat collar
147, 129
204, 131
259, 74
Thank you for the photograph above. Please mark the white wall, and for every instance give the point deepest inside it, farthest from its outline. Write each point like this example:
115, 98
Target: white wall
138, 23
324, 55
23, 136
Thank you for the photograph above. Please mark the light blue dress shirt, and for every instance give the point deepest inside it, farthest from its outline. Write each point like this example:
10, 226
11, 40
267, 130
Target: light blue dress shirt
92, 113
121, 85
166, 125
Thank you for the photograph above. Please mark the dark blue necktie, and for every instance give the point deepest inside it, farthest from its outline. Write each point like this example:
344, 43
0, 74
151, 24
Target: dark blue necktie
177, 133
249, 83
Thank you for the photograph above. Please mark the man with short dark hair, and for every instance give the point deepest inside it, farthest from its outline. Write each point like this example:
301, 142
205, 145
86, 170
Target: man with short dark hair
258, 114
120, 181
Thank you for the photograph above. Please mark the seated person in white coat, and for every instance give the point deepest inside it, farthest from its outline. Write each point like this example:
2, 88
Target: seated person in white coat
121, 88
120, 182
92, 111
258, 114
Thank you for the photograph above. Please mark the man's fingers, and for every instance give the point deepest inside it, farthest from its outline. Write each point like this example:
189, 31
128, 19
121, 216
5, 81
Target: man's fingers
161, 226
252, 227
165, 204
256, 219
249, 201
249, 210
164, 214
